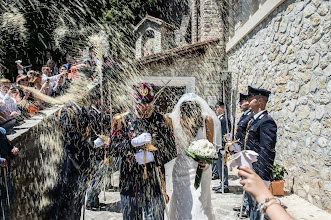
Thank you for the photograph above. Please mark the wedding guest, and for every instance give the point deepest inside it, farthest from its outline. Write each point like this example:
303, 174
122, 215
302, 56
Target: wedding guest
47, 75
19, 67
8, 104
44, 88
52, 66
22, 82
256, 187
7, 152
30, 74
47, 57
38, 84
91, 61
60, 87
69, 62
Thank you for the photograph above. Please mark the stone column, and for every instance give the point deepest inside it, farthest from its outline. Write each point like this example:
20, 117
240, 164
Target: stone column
138, 46
231, 18
211, 19
194, 21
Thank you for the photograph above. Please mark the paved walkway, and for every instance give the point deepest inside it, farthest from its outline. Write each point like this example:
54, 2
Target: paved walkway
299, 208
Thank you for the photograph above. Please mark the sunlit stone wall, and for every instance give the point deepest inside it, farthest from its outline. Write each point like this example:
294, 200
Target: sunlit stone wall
211, 24
36, 168
204, 64
289, 53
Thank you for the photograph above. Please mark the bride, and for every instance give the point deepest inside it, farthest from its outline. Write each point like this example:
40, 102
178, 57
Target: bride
192, 120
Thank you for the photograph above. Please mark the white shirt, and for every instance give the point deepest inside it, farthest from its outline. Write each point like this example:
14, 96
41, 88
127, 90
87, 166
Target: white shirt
246, 112
220, 116
258, 114
51, 78
9, 105
96, 109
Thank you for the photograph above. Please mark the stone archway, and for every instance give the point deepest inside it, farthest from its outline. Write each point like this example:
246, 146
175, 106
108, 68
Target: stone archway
172, 89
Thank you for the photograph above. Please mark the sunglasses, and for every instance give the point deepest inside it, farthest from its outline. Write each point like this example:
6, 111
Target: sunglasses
24, 80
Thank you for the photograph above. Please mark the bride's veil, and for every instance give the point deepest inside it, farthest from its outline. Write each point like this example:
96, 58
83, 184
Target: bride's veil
205, 110
181, 140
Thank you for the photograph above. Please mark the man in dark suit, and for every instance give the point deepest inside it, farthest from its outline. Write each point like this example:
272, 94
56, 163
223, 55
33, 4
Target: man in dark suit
244, 119
77, 158
226, 128
100, 122
143, 139
261, 137
240, 134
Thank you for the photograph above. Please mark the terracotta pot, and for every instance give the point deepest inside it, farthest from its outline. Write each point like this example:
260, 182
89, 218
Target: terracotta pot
277, 187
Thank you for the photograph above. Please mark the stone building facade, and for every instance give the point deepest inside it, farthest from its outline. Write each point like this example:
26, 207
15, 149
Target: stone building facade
280, 45
153, 35
285, 47
194, 67
207, 19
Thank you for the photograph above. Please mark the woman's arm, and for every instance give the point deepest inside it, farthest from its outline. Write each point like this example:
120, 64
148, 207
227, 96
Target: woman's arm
255, 186
209, 128
45, 88
210, 137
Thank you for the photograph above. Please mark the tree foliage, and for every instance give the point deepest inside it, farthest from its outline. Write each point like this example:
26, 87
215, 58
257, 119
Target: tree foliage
38, 25
30, 28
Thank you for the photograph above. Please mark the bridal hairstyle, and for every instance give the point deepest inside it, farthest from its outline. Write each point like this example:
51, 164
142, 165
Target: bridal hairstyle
192, 109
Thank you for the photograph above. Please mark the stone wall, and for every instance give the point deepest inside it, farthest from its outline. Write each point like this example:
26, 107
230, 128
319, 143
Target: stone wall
210, 19
204, 64
35, 169
289, 53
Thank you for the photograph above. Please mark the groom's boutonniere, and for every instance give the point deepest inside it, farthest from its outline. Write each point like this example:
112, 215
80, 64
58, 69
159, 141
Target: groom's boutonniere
201, 150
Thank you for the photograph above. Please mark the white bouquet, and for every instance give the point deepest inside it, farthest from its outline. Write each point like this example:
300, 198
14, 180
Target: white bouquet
201, 150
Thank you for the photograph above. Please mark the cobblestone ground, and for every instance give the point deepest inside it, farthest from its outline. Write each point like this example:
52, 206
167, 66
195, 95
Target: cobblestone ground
222, 204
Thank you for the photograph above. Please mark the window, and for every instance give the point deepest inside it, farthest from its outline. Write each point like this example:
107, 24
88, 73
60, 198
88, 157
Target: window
148, 46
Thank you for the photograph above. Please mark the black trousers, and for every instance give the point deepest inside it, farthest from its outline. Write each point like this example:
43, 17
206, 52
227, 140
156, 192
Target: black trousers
72, 197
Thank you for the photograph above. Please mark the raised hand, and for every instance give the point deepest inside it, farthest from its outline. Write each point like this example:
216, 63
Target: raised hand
15, 151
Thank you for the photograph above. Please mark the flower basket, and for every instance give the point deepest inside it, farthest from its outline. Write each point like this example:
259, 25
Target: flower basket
277, 187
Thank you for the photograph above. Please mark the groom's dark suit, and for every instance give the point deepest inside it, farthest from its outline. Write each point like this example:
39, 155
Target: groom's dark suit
132, 184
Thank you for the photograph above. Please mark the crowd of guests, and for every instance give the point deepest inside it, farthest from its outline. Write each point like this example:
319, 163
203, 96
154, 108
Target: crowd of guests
20, 99
17, 102
16, 99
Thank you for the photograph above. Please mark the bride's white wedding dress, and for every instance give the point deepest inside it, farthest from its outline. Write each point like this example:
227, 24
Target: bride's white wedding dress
186, 202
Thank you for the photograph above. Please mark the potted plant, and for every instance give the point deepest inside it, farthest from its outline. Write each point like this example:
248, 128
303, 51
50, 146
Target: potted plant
277, 185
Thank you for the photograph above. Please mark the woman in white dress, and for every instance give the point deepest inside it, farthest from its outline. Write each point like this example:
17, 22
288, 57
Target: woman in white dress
192, 120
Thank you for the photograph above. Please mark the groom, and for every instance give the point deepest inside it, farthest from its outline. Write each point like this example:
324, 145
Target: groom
144, 141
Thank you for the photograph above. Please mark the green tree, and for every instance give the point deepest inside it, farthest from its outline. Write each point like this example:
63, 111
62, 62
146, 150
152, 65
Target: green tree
34, 27
29, 28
